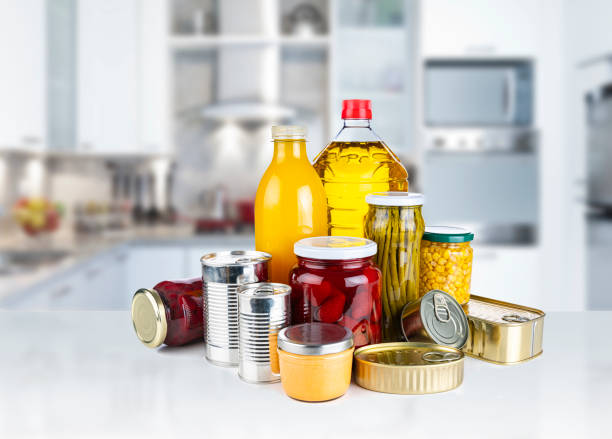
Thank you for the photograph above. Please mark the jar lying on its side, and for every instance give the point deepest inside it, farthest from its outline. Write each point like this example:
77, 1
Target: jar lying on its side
171, 313
316, 361
335, 281
446, 262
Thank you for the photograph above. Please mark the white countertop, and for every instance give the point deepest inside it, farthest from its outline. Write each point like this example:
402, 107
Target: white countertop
84, 374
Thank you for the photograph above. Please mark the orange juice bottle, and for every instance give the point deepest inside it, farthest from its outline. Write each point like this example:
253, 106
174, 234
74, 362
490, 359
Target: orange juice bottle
290, 203
356, 163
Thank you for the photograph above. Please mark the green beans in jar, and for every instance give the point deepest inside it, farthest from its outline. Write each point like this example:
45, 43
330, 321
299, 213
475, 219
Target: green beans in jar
395, 223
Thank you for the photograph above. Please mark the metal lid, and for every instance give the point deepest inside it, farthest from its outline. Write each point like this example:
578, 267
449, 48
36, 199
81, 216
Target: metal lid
399, 199
447, 234
315, 339
444, 319
235, 266
408, 368
334, 247
149, 317
264, 289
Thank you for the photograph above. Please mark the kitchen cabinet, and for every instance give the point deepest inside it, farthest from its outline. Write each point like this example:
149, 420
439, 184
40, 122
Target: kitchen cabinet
458, 28
121, 76
511, 274
23, 60
96, 284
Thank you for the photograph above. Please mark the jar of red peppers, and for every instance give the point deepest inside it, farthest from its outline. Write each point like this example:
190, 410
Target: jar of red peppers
171, 313
335, 281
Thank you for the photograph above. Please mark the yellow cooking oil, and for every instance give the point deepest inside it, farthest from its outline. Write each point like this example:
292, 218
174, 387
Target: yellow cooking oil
350, 170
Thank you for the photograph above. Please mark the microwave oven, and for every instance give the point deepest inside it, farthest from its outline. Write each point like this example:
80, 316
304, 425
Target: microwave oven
478, 93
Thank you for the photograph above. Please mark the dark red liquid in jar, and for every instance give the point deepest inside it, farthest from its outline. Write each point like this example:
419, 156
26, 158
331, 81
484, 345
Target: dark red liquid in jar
346, 292
184, 313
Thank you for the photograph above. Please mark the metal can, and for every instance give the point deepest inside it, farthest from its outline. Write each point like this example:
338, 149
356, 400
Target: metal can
435, 318
222, 274
502, 332
408, 368
265, 309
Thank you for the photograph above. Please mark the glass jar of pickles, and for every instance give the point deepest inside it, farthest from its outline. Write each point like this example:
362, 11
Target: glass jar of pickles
446, 262
335, 281
395, 223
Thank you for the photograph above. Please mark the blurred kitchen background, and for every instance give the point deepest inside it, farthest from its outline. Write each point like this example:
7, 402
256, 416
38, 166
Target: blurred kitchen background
133, 133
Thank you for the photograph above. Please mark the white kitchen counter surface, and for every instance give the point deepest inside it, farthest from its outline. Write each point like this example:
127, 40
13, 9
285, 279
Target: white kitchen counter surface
84, 374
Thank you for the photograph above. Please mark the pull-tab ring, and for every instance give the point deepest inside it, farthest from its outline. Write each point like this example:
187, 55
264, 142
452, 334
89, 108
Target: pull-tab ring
441, 308
514, 318
439, 357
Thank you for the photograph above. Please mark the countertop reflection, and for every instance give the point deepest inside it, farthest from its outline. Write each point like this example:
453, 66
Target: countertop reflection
85, 374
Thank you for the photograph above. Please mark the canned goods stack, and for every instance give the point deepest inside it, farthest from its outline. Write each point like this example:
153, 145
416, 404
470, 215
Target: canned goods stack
222, 274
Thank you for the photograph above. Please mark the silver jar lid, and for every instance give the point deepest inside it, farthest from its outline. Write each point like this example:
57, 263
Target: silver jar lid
315, 339
444, 319
235, 266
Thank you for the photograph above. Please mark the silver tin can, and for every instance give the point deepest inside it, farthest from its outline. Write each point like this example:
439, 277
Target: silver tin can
222, 274
264, 309
435, 318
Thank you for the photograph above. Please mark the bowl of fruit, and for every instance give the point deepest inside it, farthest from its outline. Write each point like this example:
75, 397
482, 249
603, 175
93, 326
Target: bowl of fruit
37, 215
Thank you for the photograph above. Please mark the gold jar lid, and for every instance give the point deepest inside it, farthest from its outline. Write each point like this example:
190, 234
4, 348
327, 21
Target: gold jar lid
408, 368
149, 317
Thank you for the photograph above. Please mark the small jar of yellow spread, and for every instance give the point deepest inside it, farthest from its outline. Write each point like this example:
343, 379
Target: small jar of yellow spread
315, 360
446, 262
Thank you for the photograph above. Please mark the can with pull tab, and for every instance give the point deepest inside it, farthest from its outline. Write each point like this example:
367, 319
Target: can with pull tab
435, 318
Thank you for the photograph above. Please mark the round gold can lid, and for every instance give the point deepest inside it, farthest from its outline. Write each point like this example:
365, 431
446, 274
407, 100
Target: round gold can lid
149, 317
408, 368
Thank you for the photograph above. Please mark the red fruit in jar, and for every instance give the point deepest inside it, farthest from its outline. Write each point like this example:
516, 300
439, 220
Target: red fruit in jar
361, 307
319, 293
375, 335
193, 286
331, 310
348, 322
361, 336
193, 310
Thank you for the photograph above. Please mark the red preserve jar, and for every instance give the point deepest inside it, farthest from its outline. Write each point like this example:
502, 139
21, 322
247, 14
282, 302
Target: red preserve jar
335, 281
171, 313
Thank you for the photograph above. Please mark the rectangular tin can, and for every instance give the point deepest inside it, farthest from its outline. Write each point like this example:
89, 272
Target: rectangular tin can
502, 332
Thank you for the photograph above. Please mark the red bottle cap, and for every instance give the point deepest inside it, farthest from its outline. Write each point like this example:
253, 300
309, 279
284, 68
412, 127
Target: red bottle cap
356, 109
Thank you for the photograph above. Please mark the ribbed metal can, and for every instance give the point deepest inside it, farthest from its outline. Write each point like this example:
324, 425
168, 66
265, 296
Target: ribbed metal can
264, 309
222, 274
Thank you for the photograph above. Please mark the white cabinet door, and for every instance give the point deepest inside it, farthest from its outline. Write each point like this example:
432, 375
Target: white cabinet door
147, 265
23, 74
122, 70
480, 27
511, 274
108, 75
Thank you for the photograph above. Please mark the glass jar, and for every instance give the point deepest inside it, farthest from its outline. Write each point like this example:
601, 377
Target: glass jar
335, 281
395, 223
171, 313
446, 262
316, 361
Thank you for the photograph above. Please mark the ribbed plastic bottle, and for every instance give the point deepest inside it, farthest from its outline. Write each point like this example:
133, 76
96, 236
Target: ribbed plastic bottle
356, 163
290, 202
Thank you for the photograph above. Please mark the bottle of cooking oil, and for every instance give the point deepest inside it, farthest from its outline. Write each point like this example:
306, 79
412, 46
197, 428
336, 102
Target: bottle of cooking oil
356, 163
290, 201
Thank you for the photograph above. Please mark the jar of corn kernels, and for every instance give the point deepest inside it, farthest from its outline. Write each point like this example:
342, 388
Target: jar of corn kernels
446, 262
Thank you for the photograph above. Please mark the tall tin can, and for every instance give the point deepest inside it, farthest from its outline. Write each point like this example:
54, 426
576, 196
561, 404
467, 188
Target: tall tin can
435, 318
222, 274
264, 309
